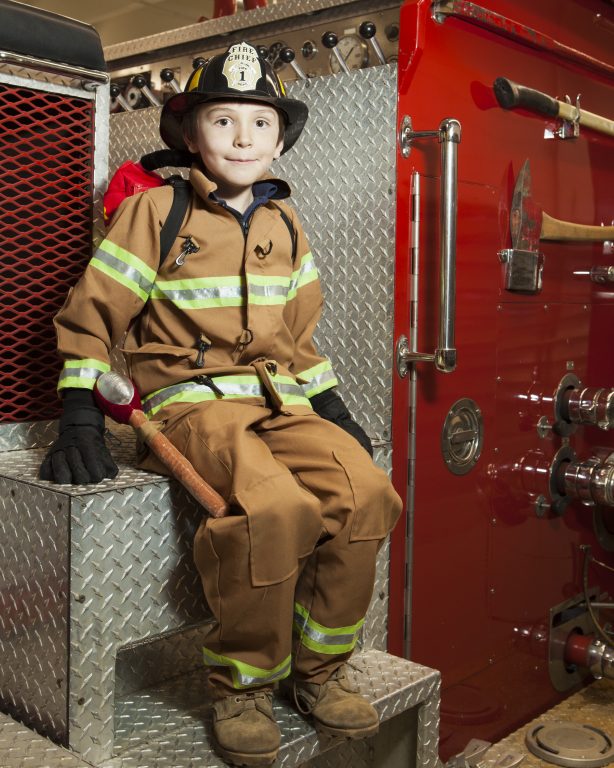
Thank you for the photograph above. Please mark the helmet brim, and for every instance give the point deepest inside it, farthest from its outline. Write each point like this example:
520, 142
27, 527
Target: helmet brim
175, 109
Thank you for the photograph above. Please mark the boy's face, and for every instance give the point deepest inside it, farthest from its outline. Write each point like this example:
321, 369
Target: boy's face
237, 141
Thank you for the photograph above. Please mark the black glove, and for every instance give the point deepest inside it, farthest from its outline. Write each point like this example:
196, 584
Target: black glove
331, 407
79, 455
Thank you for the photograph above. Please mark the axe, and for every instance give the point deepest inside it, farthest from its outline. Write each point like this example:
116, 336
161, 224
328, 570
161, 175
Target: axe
529, 224
117, 397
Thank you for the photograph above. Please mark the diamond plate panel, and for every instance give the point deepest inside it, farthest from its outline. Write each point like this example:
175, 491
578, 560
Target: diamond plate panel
342, 174
145, 664
22, 748
231, 28
27, 434
33, 599
126, 546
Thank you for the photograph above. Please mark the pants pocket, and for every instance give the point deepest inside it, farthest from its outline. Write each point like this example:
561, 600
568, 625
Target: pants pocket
284, 524
377, 505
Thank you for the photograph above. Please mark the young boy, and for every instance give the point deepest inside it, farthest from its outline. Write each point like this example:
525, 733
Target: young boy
220, 346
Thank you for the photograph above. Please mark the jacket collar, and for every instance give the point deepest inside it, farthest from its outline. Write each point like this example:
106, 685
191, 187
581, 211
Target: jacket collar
203, 186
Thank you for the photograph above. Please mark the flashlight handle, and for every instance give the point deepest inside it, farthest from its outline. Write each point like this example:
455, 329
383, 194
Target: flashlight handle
178, 465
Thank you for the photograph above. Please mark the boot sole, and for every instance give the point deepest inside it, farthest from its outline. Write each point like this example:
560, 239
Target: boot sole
358, 733
238, 758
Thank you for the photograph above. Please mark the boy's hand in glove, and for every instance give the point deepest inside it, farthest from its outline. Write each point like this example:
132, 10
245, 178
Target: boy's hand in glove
331, 407
79, 455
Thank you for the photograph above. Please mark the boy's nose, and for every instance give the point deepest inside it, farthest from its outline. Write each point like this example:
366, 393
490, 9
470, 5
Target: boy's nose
243, 136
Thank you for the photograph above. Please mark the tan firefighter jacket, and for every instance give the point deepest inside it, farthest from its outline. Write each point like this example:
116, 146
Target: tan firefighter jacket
236, 310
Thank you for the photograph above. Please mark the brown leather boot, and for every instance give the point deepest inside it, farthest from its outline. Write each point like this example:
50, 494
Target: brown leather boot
336, 708
244, 728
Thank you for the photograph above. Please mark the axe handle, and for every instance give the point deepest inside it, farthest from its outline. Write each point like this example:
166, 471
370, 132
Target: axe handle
555, 229
511, 95
178, 465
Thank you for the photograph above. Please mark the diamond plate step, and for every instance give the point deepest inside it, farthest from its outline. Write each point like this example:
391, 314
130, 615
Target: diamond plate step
168, 725
22, 748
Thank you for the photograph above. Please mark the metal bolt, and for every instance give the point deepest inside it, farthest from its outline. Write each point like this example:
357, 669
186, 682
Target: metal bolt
80, 598
570, 365
541, 505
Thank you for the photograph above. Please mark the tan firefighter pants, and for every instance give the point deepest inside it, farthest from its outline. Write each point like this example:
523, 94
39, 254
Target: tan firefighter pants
289, 574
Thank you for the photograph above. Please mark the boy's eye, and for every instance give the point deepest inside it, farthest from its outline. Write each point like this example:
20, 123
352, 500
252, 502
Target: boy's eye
223, 121
262, 123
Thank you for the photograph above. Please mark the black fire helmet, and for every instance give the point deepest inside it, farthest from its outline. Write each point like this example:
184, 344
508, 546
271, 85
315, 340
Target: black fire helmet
237, 75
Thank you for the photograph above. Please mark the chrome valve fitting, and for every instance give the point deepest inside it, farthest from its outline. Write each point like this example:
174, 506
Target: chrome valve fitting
589, 405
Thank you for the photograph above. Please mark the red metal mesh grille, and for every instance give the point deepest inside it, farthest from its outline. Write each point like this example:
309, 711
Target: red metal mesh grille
46, 169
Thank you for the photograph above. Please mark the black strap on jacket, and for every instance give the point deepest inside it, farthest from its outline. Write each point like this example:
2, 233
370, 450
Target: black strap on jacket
182, 192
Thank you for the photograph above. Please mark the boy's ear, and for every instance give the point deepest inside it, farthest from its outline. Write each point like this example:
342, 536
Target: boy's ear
278, 149
190, 144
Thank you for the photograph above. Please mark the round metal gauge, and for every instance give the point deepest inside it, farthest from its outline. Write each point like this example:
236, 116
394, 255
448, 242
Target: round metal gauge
354, 51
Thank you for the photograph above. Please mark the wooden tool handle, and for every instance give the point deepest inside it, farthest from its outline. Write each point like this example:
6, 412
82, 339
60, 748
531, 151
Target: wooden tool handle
179, 466
555, 229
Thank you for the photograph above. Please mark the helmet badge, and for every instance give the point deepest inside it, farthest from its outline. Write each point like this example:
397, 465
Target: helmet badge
242, 67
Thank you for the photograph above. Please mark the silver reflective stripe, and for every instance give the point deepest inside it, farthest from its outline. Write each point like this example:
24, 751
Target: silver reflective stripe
321, 638
254, 389
245, 675
308, 265
317, 381
81, 373
289, 389
131, 273
200, 294
268, 290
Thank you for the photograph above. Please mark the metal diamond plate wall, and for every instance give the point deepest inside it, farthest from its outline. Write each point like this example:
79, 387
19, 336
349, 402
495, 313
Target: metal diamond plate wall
33, 607
342, 173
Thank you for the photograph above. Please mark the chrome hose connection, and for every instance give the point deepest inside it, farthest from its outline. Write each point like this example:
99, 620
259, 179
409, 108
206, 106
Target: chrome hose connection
590, 481
589, 405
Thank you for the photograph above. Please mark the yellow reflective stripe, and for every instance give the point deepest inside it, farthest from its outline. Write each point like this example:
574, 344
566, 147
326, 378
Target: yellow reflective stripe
306, 273
201, 293
239, 386
229, 290
321, 639
124, 267
245, 675
318, 378
81, 374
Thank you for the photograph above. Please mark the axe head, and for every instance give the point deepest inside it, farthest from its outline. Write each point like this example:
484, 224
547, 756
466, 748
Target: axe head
526, 215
